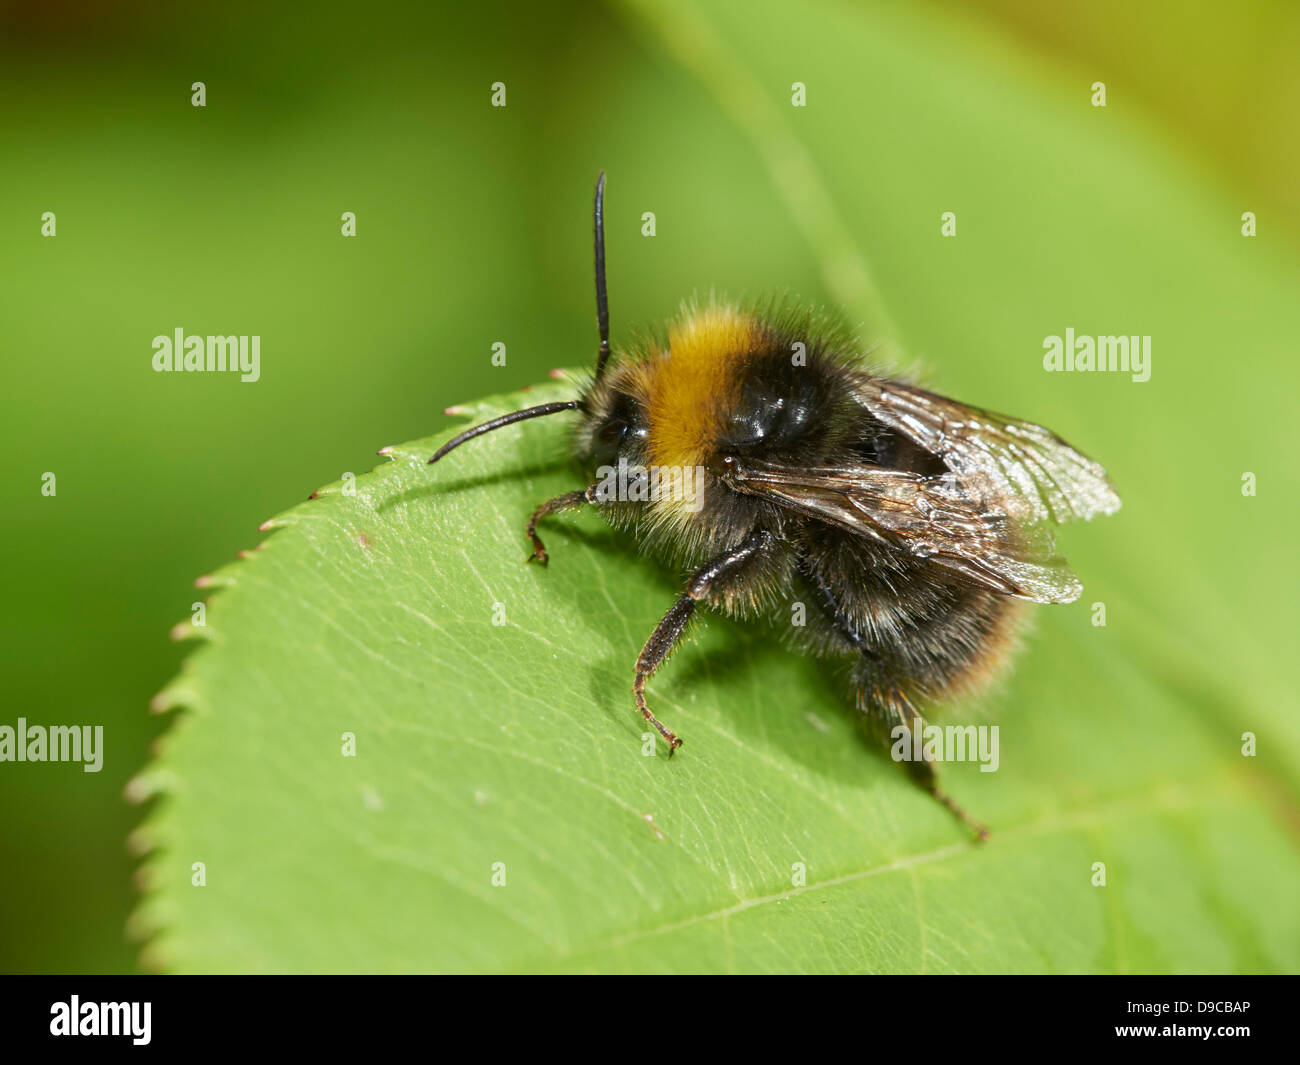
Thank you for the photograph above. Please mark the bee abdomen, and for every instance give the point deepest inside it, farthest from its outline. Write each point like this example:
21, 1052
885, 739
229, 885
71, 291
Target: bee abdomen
909, 623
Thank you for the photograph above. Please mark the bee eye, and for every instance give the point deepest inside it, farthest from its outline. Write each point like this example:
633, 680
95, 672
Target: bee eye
617, 429
612, 432
609, 440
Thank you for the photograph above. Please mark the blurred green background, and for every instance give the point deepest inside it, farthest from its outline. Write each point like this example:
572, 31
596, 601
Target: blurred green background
473, 227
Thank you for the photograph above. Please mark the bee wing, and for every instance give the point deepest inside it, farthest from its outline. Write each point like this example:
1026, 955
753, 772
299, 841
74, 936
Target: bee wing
1026, 470
930, 517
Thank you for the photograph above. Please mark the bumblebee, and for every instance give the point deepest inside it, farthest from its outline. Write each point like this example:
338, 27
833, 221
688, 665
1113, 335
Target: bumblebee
913, 527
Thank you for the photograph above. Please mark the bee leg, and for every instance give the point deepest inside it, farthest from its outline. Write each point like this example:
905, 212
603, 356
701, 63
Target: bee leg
564, 502
884, 703
656, 649
927, 777
706, 582
889, 707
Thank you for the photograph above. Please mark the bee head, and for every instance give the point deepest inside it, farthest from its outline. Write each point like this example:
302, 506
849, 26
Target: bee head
615, 423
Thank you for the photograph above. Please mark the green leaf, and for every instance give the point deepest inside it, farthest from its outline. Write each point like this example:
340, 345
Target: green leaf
476, 743
372, 613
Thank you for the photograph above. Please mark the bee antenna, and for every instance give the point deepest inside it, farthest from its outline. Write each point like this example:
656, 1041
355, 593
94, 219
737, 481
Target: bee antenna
506, 419
602, 296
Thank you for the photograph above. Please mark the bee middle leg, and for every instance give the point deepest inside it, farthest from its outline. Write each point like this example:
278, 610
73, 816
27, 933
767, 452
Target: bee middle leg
708, 581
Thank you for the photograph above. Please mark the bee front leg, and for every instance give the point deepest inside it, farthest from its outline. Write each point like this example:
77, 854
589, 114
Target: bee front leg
568, 501
707, 581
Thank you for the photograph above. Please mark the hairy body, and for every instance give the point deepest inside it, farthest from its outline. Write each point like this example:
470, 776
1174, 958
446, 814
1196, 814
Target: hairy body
779, 388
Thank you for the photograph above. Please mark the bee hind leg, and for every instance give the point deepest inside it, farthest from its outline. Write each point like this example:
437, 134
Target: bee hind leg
888, 707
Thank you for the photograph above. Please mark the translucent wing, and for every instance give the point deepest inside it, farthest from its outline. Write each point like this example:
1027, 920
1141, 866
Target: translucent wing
984, 519
930, 517
1032, 472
